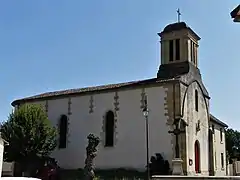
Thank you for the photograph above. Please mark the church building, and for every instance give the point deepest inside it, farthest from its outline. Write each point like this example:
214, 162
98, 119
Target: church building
114, 112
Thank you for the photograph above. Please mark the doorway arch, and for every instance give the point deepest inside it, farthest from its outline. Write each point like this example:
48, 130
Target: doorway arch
197, 156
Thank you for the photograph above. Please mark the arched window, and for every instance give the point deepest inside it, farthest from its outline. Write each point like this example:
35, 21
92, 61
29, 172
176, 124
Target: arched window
197, 157
63, 131
196, 100
109, 129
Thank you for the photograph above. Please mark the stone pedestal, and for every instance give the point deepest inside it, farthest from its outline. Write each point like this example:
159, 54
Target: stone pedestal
177, 167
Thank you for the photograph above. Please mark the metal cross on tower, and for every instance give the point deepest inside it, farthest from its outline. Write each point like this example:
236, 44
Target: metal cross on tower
179, 14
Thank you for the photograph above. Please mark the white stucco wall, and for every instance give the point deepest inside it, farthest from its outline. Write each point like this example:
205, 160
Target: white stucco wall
218, 148
1, 155
129, 150
192, 116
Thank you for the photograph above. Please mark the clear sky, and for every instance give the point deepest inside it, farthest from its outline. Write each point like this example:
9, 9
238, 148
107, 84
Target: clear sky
52, 45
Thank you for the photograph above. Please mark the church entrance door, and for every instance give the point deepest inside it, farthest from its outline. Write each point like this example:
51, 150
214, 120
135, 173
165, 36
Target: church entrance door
197, 157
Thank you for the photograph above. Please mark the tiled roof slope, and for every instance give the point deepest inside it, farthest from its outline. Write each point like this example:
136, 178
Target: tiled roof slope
90, 89
217, 121
177, 27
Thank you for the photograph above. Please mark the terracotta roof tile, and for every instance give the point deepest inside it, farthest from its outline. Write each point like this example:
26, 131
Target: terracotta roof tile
89, 89
177, 27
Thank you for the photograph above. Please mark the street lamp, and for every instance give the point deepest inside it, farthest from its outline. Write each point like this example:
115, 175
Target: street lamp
145, 114
235, 14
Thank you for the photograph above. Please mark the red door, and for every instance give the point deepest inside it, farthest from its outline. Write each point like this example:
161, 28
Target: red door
197, 157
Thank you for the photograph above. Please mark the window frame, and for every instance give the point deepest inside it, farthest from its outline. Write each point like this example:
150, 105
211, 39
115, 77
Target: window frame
196, 100
62, 143
109, 141
222, 160
221, 135
171, 50
177, 49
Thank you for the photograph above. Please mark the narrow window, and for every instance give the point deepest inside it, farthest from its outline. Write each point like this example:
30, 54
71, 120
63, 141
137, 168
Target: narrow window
192, 52
194, 55
109, 129
222, 160
177, 49
63, 132
191, 47
221, 135
196, 100
171, 50
213, 129
215, 158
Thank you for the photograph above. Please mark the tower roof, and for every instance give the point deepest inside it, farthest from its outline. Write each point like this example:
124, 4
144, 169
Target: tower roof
177, 27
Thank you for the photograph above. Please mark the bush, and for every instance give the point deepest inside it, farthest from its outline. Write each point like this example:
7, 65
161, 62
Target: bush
159, 166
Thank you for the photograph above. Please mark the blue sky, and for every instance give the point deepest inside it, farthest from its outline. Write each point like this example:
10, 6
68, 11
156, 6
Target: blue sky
52, 45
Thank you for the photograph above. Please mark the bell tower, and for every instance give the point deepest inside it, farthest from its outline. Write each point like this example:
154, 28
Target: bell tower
179, 48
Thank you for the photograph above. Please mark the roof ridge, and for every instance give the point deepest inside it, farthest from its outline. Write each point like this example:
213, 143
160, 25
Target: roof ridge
84, 89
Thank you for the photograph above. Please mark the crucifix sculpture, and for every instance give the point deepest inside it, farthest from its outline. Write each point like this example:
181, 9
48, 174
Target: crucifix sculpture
179, 14
177, 131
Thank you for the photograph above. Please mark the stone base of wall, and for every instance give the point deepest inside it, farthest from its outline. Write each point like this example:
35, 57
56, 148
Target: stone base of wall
106, 174
193, 177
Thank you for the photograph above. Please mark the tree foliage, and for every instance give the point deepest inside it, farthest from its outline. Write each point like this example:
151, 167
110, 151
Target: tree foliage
29, 133
233, 143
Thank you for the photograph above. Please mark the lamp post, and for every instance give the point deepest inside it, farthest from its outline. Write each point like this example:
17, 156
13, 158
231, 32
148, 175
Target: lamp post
145, 114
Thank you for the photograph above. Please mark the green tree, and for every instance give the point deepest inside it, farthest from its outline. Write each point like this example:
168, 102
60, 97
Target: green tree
233, 143
29, 133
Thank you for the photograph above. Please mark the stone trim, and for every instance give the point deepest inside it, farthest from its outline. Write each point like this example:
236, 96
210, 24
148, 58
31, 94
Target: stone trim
68, 118
69, 106
69, 115
168, 109
115, 129
116, 103
68, 131
46, 106
169, 104
91, 106
172, 106
143, 93
102, 133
